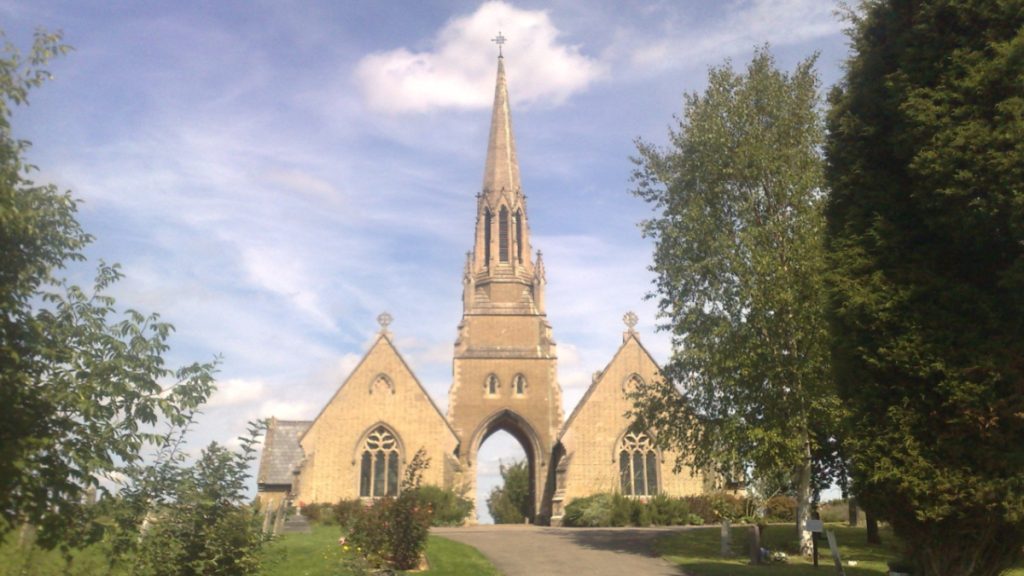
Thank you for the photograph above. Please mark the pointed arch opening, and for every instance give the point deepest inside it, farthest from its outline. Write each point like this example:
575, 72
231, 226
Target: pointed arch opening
507, 429
503, 234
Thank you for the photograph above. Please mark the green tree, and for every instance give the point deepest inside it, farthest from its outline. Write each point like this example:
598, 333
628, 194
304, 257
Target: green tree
739, 261
80, 388
510, 502
203, 525
926, 240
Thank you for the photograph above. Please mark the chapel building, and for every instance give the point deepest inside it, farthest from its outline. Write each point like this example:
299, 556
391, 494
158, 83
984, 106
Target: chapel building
504, 377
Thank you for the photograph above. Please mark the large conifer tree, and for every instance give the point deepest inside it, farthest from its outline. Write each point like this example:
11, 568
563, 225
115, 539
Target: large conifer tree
926, 239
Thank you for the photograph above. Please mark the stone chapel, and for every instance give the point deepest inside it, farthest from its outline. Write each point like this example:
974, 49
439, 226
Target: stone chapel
504, 377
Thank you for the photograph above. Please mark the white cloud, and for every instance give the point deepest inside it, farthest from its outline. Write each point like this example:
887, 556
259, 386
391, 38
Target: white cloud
459, 71
289, 410
237, 391
685, 42
279, 272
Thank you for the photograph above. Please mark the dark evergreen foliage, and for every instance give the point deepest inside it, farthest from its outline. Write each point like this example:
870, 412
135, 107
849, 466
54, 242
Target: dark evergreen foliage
926, 242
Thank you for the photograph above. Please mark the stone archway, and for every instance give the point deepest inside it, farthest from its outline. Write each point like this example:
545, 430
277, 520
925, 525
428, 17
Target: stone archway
507, 420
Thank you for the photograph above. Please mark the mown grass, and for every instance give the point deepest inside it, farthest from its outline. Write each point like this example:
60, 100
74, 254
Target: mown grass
16, 560
698, 552
318, 554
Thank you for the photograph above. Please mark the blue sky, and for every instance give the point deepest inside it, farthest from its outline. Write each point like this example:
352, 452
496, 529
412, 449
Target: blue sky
273, 175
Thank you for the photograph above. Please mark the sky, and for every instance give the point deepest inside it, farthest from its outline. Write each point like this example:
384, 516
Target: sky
272, 175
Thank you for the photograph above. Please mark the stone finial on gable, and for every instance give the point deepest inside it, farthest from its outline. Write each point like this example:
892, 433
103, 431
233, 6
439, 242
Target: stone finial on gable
630, 320
384, 319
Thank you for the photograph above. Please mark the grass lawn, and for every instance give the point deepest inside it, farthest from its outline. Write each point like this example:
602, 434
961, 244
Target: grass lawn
318, 554
697, 552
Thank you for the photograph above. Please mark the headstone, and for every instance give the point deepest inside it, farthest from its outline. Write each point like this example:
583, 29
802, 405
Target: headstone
726, 538
755, 544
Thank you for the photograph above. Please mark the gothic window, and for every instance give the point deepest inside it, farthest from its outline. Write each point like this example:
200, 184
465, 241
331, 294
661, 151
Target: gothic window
382, 384
519, 236
519, 385
503, 234
487, 237
378, 471
491, 385
632, 383
638, 465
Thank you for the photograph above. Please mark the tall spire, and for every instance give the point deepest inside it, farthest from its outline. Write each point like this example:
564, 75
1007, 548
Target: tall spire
501, 252
501, 172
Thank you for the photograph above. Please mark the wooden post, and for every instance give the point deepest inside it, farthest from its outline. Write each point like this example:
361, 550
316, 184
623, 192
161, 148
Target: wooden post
726, 538
755, 544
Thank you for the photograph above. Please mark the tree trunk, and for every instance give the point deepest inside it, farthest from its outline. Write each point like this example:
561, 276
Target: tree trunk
872, 523
803, 502
854, 511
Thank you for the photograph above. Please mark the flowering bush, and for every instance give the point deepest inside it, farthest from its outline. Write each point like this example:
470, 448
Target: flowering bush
392, 532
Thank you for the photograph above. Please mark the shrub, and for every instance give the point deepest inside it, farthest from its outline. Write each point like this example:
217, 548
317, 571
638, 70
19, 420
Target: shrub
392, 532
345, 512
448, 507
781, 509
701, 507
696, 520
834, 511
621, 510
594, 510
320, 513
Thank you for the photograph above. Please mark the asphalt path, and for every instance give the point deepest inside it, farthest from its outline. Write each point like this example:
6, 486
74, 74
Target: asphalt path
544, 551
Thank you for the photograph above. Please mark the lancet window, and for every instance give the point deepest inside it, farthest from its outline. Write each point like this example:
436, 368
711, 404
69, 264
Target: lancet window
638, 465
503, 234
519, 236
492, 384
519, 385
379, 466
487, 237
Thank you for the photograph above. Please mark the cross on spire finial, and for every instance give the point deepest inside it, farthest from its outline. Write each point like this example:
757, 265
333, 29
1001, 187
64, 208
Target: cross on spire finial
499, 40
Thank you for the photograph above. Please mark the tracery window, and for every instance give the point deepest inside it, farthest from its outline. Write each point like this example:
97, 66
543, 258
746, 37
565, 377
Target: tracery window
492, 384
519, 385
378, 473
638, 465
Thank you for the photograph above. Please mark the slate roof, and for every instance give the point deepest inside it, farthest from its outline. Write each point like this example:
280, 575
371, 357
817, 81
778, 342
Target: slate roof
281, 451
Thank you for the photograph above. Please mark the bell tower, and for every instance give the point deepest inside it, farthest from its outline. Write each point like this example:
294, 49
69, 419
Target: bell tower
505, 363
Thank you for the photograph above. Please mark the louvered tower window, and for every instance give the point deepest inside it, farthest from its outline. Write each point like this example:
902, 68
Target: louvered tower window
503, 234
519, 236
487, 237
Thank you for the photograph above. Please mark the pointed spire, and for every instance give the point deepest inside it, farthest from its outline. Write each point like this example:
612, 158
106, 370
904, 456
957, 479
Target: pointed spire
502, 169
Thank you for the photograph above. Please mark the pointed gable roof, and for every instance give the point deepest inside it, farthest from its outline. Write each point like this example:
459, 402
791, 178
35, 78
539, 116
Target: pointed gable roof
630, 338
383, 339
501, 171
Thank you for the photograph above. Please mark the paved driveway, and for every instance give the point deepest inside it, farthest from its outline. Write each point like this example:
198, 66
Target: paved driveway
543, 551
